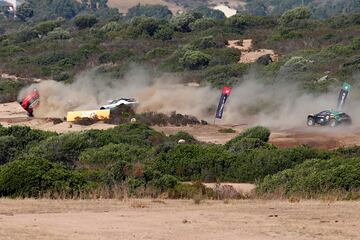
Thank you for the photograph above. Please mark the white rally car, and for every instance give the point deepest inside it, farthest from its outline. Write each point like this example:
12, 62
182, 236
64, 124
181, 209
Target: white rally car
119, 102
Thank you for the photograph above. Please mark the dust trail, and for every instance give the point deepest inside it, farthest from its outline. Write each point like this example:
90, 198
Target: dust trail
89, 91
280, 105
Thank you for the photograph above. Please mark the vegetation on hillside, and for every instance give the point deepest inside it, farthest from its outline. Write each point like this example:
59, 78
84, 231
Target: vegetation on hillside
58, 44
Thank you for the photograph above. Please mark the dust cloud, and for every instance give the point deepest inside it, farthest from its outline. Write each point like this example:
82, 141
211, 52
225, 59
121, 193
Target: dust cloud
252, 102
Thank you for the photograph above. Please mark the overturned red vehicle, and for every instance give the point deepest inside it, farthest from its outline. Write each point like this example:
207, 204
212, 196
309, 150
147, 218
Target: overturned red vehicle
30, 102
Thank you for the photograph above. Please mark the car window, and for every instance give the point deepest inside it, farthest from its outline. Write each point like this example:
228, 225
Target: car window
324, 113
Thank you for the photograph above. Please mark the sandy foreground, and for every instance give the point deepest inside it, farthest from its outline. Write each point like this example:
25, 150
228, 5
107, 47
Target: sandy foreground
178, 219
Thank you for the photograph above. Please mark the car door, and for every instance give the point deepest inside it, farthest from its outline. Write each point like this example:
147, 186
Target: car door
321, 117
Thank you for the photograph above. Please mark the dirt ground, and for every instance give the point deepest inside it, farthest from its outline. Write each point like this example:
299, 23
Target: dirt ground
177, 219
318, 137
248, 54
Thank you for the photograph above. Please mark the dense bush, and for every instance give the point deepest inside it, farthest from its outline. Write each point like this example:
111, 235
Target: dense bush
9, 90
258, 132
221, 75
156, 11
210, 13
256, 164
183, 21
24, 11
58, 34
25, 136
223, 56
195, 162
8, 148
194, 60
293, 16
32, 177
85, 21
111, 153
202, 24
315, 177
45, 27
147, 26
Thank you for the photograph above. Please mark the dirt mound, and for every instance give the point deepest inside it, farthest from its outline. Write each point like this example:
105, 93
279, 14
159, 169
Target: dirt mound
125, 114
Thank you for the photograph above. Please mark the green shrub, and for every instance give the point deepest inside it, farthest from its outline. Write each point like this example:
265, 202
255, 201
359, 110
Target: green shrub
51, 58
246, 144
147, 10
256, 164
202, 24
226, 130
221, 75
24, 11
9, 90
143, 26
190, 191
348, 152
85, 21
291, 16
31, 177
165, 32
182, 21
165, 182
205, 42
25, 36
194, 162
258, 132
25, 136
115, 56
64, 148
58, 34
210, 13
112, 27
45, 27
109, 154
157, 53
245, 21
8, 148
223, 56
183, 135
194, 60
315, 177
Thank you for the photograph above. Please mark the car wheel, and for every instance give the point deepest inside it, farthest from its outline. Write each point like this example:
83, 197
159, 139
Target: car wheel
332, 123
310, 122
102, 108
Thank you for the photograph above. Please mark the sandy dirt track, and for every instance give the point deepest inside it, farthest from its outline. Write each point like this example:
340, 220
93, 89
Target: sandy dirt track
318, 137
177, 219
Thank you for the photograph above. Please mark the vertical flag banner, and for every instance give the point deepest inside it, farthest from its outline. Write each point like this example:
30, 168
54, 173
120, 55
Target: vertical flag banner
224, 96
344, 92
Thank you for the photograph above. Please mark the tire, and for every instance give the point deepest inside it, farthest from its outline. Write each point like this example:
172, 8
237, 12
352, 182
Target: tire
102, 108
310, 122
333, 123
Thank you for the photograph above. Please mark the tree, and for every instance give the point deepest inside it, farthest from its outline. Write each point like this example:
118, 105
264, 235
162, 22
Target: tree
194, 60
202, 24
24, 11
291, 16
85, 21
210, 13
50, 9
182, 22
155, 11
